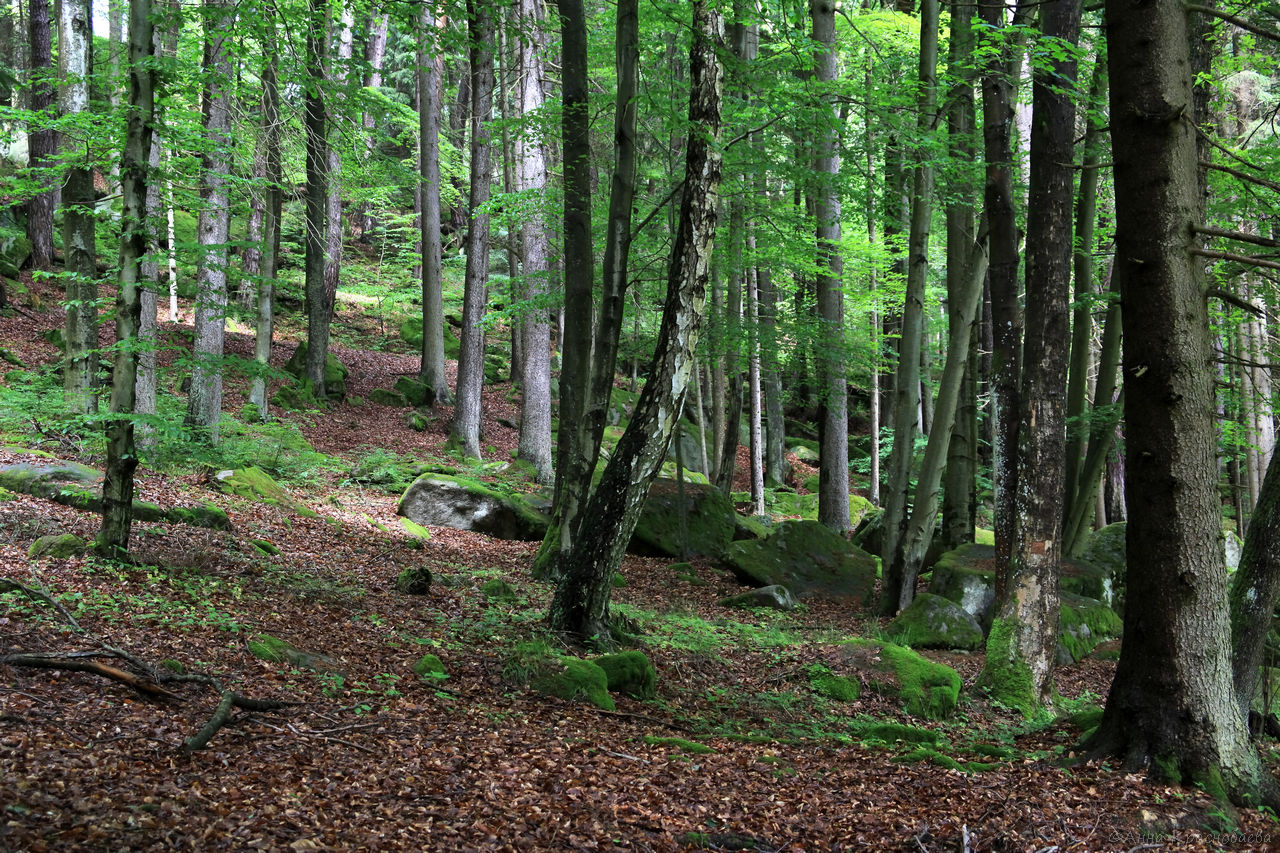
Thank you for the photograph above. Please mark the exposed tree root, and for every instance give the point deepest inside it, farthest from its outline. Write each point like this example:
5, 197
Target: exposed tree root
222, 714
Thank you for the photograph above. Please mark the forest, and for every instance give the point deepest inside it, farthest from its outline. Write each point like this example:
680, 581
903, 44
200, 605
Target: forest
639, 425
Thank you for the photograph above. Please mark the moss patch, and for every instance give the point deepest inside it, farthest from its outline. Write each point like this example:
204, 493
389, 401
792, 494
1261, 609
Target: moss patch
630, 673
927, 689
1006, 677
683, 521
416, 530
58, 546
1083, 624
805, 557
689, 746
429, 667
254, 484
890, 733
415, 580
934, 622
841, 688
570, 678
496, 589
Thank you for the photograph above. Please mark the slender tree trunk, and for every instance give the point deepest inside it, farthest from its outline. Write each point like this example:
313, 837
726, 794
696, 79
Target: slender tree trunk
213, 228
75, 63
431, 371
375, 55
907, 381
962, 452
833, 430
581, 603
148, 329
272, 210
535, 377
573, 461
1255, 590
41, 141
464, 431
1172, 706
122, 459
316, 120
339, 75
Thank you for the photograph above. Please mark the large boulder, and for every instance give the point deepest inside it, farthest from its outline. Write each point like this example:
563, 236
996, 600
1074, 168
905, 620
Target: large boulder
1084, 623
775, 597
335, 372
925, 688
683, 521
254, 484
934, 622
443, 500
806, 558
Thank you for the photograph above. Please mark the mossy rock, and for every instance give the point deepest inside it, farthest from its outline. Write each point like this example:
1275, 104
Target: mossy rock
430, 667
8, 357
806, 450
335, 372
67, 483
207, 515
388, 397
571, 678
15, 248
411, 331
418, 420
417, 392
774, 596
417, 531
783, 503
926, 689
275, 650
57, 546
751, 526
683, 521
254, 484
934, 622
496, 369
496, 589
966, 576
463, 503
415, 580
840, 688
630, 673
806, 558
1084, 623
264, 547
1105, 549
296, 398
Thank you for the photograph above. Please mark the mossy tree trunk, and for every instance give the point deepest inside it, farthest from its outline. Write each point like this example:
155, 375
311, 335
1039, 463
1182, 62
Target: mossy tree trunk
581, 603
1027, 604
122, 460
1172, 705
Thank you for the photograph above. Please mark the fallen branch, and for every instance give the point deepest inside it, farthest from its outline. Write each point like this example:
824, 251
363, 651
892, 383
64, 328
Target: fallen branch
137, 682
8, 585
221, 714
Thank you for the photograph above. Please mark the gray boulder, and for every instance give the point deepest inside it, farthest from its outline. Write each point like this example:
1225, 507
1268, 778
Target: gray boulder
934, 622
966, 576
806, 558
774, 596
683, 521
443, 500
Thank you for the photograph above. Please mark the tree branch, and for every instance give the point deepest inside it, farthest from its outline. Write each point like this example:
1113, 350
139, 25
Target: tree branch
7, 585
1240, 259
1255, 239
1244, 176
1232, 299
1232, 19
137, 682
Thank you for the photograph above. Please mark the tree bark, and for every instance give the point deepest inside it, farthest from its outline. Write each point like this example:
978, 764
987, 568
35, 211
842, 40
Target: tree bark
213, 227
375, 55
1172, 705
833, 429
315, 121
42, 143
75, 64
906, 393
535, 376
272, 210
580, 607
122, 459
464, 431
431, 371
1255, 589
340, 76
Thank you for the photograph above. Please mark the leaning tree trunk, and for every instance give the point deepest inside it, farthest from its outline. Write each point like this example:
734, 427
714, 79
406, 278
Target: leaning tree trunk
535, 374
431, 369
581, 603
1172, 707
75, 63
41, 141
464, 431
122, 459
906, 392
213, 229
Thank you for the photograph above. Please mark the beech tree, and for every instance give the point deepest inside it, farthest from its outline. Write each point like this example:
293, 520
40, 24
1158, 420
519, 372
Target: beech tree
429, 70
41, 141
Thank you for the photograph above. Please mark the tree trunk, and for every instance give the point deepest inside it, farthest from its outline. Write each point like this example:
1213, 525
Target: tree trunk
961, 469
122, 459
339, 75
431, 371
316, 120
1172, 706
535, 376
833, 428
42, 143
144, 402
272, 210
906, 393
375, 55
213, 228
1255, 590
464, 431
573, 463
75, 63
580, 607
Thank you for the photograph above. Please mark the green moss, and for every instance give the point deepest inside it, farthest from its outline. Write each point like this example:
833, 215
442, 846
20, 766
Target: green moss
689, 746
418, 393
414, 529
429, 667
58, 546
1006, 677
254, 484
496, 589
1087, 719
415, 580
925, 753
682, 521
891, 733
841, 688
805, 557
388, 397
1084, 623
630, 673
269, 648
207, 515
335, 372
173, 665
932, 621
930, 689
265, 547
570, 678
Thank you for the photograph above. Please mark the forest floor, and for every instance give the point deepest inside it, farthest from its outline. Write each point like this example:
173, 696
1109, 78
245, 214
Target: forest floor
736, 752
